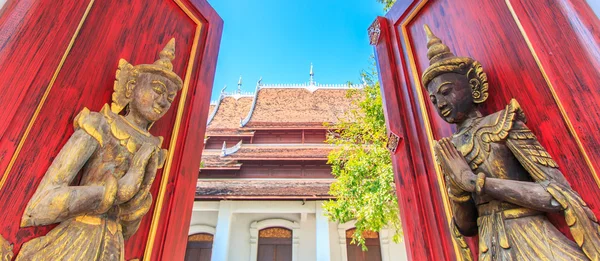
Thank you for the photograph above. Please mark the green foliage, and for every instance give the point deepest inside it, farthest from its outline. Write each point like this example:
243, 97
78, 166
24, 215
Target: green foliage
364, 186
387, 4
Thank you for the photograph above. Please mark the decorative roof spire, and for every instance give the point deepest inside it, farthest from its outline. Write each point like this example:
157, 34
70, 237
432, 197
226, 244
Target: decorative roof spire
312, 75
239, 89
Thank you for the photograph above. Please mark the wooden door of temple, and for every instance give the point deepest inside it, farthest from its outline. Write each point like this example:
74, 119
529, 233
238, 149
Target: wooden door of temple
356, 253
199, 247
544, 53
57, 57
274, 244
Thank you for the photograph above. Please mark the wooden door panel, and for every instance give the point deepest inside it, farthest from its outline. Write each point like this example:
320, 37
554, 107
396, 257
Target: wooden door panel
284, 253
64, 59
266, 253
521, 45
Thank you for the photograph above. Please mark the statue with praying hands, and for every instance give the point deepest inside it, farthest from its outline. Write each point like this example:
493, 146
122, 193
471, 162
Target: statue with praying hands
118, 159
499, 179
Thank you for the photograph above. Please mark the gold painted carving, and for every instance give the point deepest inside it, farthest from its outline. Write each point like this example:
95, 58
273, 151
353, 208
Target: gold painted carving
275, 232
392, 142
365, 234
202, 237
6, 248
517, 180
374, 32
118, 159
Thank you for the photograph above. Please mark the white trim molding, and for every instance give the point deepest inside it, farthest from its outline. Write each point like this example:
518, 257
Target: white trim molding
196, 229
275, 222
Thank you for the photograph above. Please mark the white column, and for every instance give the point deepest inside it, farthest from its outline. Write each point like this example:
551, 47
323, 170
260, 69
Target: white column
323, 247
220, 251
384, 242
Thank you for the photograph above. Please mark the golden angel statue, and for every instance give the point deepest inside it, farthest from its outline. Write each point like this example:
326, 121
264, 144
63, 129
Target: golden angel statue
118, 159
500, 180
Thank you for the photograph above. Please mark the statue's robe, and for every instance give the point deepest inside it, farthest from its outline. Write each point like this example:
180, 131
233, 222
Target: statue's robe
501, 146
94, 236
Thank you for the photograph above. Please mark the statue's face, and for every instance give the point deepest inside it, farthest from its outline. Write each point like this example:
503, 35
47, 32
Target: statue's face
450, 93
152, 96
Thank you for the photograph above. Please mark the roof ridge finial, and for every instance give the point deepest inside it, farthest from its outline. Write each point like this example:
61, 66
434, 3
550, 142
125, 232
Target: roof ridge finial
312, 75
239, 89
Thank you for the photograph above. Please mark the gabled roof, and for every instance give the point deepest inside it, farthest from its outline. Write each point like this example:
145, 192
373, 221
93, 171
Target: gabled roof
229, 111
297, 107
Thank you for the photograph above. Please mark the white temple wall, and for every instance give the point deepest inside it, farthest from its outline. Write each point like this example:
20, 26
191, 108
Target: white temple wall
244, 213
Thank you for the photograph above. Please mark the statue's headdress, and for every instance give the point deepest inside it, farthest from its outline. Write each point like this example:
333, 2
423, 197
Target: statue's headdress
127, 74
442, 60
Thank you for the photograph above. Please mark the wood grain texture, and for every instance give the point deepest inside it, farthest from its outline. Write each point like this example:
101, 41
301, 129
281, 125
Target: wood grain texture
174, 224
32, 43
563, 36
33, 40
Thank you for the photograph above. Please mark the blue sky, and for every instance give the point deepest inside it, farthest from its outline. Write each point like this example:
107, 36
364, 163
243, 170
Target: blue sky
278, 39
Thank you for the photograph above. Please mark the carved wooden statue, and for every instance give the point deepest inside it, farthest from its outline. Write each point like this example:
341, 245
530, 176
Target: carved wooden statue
118, 159
500, 180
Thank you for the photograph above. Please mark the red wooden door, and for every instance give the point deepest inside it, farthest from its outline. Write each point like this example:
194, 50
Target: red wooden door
57, 57
544, 53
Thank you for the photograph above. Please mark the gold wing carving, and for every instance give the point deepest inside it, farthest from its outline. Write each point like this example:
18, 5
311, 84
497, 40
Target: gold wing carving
465, 251
544, 170
6, 253
479, 147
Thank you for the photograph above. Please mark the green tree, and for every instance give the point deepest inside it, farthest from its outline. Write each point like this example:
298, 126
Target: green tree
387, 4
364, 188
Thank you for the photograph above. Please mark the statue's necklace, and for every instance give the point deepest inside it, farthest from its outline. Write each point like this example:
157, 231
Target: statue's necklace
143, 132
467, 129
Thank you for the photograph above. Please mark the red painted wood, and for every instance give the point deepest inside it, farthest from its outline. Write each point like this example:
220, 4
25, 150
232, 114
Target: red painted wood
174, 224
33, 40
494, 39
411, 176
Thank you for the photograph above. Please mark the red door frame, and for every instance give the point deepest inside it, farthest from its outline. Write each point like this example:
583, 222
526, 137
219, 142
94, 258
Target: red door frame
563, 75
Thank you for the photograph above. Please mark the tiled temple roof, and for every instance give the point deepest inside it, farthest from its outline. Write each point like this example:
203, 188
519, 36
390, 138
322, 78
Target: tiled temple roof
256, 189
280, 106
229, 112
228, 157
279, 152
297, 107
212, 159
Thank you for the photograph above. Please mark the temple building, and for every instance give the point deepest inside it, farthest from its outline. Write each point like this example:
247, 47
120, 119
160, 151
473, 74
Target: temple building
264, 176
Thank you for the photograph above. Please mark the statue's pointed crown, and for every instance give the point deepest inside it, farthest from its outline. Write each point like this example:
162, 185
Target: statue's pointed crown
441, 59
436, 50
163, 65
167, 55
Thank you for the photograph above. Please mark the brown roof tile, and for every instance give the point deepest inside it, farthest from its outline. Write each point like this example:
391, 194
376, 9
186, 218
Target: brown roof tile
298, 107
281, 152
232, 189
230, 112
211, 159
